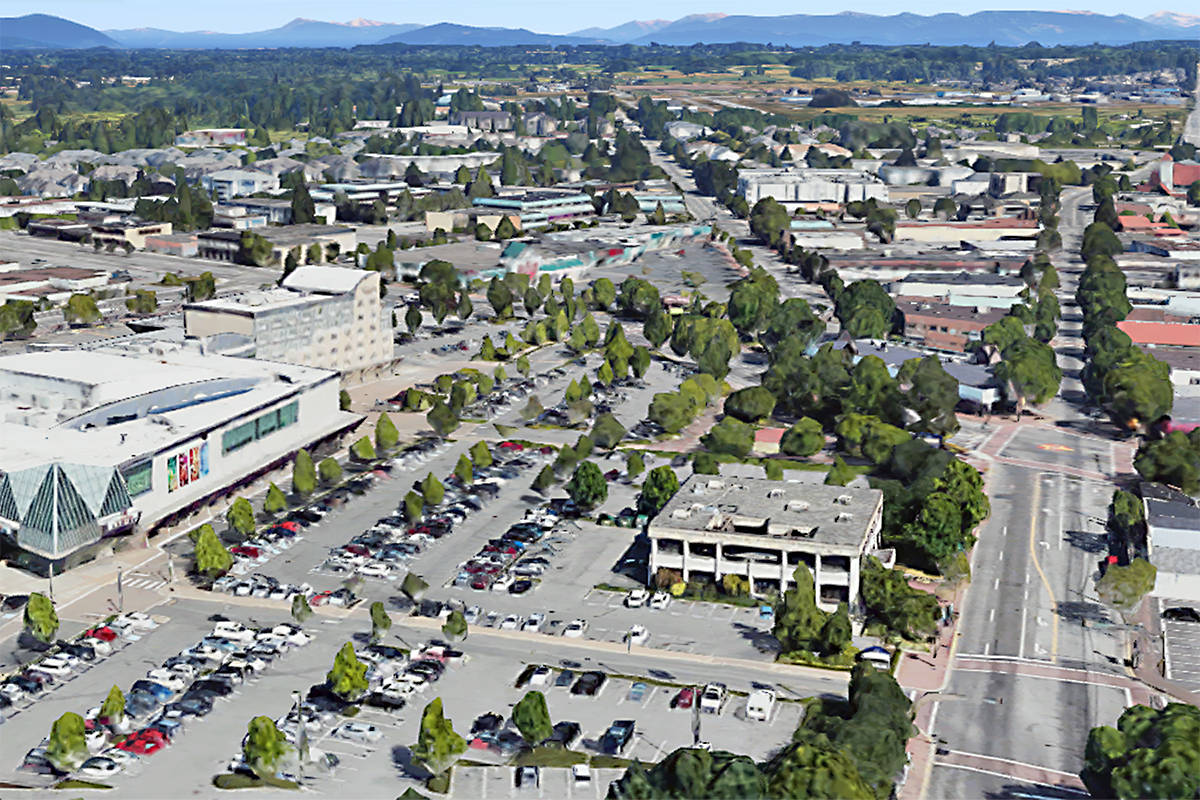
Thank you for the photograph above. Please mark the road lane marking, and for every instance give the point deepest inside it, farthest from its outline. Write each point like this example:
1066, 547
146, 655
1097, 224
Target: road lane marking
1037, 493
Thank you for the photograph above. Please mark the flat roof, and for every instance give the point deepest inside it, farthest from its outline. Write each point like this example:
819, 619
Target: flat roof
253, 302
325, 280
945, 311
963, 278
761, 512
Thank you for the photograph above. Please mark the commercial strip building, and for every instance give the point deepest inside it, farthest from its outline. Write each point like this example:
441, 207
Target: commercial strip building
796, 185
943, 285
226, 184
762, 530
55, 284
987, 230
1172, 541
943, 326
328, 317
541, 207
132, 436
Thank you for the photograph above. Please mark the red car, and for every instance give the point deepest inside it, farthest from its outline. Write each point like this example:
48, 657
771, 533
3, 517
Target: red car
357, 549
684, 698
612, 474
481, 583
246, 550
319, 599
294, 527
143, 743
102, 632
514, 446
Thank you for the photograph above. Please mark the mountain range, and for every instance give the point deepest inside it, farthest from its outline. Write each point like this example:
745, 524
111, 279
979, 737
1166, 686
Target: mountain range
42, 31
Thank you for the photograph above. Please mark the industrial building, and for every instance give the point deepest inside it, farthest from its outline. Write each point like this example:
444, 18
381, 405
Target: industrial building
132, 436
763, 530
804, 185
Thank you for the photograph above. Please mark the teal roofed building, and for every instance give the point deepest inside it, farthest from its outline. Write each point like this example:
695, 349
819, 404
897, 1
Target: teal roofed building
53, 511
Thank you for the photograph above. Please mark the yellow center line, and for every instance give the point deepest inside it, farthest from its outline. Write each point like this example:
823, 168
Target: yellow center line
1037, 494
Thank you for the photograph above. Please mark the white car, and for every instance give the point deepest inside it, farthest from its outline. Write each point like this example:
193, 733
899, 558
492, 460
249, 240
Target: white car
502, 583
121, 757
540, 676
101, 767
376, 570
660, 600
185, 671
534, 623
638, 635
510, 623
581, 775
234, 631
96, 740
358, 732
293, 634
99, 646
636, 598
53, 665
139, 620
172, 680
575, 629
12, 691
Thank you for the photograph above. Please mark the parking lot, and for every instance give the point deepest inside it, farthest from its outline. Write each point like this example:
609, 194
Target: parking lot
500, 782
1182, 643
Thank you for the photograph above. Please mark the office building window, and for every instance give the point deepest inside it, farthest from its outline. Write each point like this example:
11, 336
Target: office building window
259, 427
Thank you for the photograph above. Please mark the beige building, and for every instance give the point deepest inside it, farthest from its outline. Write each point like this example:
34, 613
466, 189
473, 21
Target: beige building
763, 530
321, 317
135, 233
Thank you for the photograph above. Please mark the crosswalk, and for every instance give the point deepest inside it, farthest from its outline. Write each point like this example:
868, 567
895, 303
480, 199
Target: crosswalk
140, 580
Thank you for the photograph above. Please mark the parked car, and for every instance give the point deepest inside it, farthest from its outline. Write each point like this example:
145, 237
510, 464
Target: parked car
638, 635
617, 737
685, 698
660, 600
589, 684
637, 692
636, 598
575, 629
528, 778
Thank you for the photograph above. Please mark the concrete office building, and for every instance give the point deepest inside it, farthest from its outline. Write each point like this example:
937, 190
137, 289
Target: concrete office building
762, 530
327, 317
128, 437
1172, 541
804, 185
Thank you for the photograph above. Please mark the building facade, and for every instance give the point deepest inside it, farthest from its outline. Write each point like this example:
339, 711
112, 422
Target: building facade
806, 185
763, 530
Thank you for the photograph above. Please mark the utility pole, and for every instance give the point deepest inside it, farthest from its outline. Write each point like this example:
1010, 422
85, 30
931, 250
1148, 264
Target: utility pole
120, 592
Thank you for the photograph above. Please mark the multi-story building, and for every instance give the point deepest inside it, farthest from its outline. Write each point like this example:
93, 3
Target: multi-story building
796, 185
226, 184
117, 234
127, 437
944, 326
763, 530
327, 317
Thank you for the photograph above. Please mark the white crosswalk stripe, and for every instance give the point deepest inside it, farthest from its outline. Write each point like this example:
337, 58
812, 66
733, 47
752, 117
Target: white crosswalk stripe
148, 583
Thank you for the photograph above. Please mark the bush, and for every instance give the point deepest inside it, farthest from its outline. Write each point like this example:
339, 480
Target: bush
330, 471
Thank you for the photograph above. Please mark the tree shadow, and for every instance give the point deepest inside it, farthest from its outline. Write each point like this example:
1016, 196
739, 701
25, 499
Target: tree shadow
763, 641
402, 759
1026, 790
1087, 542
1079, 611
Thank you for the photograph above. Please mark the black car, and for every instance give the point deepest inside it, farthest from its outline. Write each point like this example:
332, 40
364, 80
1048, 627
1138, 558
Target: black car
214, 685
384, 701
1181, 614
520, 587
190, 705
386, 650
307, 514
589, 683
5, 702
487, 723
429, 608
565, 678
617, 737
322, 697
27, 685
565, 734
83, 651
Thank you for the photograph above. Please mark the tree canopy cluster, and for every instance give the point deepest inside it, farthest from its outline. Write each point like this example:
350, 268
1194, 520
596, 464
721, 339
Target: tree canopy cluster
1150, 753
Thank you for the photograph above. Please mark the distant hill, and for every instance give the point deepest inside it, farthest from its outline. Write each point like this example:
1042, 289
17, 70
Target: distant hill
981, 28
624, 33
42, 31
297, 33
448, 33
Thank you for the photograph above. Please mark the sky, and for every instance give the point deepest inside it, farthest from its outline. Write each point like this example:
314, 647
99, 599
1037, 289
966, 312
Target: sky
543, 16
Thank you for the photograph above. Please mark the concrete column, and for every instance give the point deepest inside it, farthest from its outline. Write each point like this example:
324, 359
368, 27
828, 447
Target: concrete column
652, 564
718, 573
686, 555
817, 576
783, 571
854, 575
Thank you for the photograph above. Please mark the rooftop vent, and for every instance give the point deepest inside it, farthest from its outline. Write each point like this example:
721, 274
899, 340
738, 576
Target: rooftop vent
845, 516
796, 505
715, 484
775, 493
844, 499
681, 513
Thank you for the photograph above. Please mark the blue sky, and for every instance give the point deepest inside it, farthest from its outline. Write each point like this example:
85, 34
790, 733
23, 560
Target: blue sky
546, 16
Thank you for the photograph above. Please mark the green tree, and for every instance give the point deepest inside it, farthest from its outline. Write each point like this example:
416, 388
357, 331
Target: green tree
304, 211
798, 621
500, 297
348, 677
840, 474
432, 490
386, 435
932, 394
380, 621
634, 464
414, 507
329, 470
889, 600
715, 358
240, 516
866, 310
660, 485
438, 746
639, 361
523, 366
481, 456
531, 715
304, 474
658, 326
587, 486
412, 318
836, 632
212, 558
505, 229
544, 479
455, 627
301, 610
1151, 753
773, 469
413, 587
362, 450
442, 419
815, 770
1030, 372
793, 317
689, 773
705, 463
275, 500
750, 404
67, 747
81, 309
343, 400
805, 438
729, 436
607, 431
142, 302
112, 710
264, 747
463, 469
1124, 587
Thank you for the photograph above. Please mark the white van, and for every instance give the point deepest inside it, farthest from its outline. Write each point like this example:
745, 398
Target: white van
235, 631
760, 704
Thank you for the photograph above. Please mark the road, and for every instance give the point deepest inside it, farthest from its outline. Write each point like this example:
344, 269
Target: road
1191, 128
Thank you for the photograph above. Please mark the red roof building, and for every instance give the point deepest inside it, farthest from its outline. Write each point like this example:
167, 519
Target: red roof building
1161, 334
